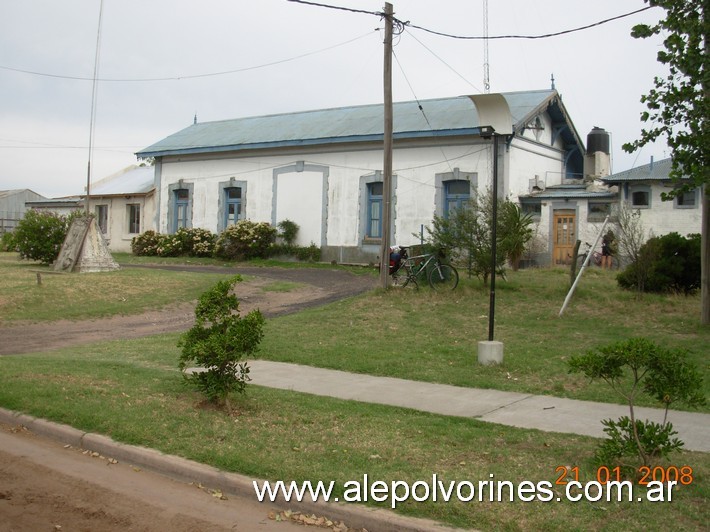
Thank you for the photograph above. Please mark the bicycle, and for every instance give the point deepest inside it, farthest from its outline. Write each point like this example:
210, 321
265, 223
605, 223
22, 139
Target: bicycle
406, 270
596, 256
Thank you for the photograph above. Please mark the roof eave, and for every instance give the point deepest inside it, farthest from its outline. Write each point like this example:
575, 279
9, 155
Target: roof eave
351, 139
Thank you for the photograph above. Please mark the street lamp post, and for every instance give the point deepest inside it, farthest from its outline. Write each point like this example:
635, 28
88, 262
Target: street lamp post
494, 240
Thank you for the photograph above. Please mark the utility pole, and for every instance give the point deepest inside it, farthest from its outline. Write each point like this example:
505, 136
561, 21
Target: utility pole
387, 164
92, 123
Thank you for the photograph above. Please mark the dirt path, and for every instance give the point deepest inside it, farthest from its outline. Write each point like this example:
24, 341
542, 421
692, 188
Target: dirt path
320, 286
45, 486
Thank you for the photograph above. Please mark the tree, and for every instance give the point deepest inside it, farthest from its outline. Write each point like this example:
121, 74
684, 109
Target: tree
466, 234
218, 342
678, 109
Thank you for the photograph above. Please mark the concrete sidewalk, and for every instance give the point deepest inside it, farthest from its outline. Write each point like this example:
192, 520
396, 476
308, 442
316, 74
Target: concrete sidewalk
546, 413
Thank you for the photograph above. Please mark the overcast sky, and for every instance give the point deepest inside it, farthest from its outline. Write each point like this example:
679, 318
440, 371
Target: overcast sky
260, 57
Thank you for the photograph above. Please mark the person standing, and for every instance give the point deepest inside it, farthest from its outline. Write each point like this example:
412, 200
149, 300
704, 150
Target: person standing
607, 249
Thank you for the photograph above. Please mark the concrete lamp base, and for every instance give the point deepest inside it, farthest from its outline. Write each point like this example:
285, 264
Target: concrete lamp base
490, 352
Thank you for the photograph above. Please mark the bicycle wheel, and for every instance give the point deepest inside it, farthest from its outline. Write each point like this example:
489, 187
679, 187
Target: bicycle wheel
402, 279
443, 277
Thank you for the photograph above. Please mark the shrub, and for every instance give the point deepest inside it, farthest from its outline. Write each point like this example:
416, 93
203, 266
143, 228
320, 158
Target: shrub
196, 242
289, 231
39, 235
640, 366
669, 263
245, 240
466, 234
169, 246
308, 254
191, 242
7, 243
218, 342
516, 232
146, 244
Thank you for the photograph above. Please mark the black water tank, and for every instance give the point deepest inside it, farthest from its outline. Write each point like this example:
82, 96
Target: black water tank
598, 140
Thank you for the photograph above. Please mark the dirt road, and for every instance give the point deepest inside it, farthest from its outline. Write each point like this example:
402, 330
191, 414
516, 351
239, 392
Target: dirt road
319, 286
46, 487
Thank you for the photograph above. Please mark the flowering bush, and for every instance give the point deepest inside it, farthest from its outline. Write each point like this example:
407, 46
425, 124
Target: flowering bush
39, 235
191, 242
245, 240
196, 242
169, 246
146, 243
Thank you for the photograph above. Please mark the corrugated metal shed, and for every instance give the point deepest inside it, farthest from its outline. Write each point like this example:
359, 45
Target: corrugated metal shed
437, 118
656, 171
12, 202
137, 180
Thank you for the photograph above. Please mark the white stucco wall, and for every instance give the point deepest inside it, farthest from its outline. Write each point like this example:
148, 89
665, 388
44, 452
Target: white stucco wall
665, 217
299, 193
117, 230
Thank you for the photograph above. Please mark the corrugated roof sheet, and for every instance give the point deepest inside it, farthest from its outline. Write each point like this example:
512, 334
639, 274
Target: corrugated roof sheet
438, 117
658, 170
8, 193
138, 180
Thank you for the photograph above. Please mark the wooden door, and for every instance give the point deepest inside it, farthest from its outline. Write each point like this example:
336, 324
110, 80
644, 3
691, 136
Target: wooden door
564, 235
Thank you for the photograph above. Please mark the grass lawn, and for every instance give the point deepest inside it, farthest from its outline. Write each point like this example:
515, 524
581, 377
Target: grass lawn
131, 390
84, 296
433, 337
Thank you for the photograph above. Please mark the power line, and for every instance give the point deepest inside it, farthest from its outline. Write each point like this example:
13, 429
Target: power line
339, 8
444, 62
542, 36
400, 24
475, 37
419, 104
192, 76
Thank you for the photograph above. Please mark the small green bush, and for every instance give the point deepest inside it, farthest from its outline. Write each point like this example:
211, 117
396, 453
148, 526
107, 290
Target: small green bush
669, 263
218, 342
308, 254
40, 234
245, 240
639, 366
7, 243
289, 231
657, 439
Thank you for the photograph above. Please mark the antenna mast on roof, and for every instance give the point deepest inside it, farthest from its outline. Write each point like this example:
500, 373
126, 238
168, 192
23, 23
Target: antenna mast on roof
486, 73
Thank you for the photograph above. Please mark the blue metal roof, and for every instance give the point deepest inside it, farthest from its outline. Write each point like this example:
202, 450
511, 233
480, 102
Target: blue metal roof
655, 171
437, 118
